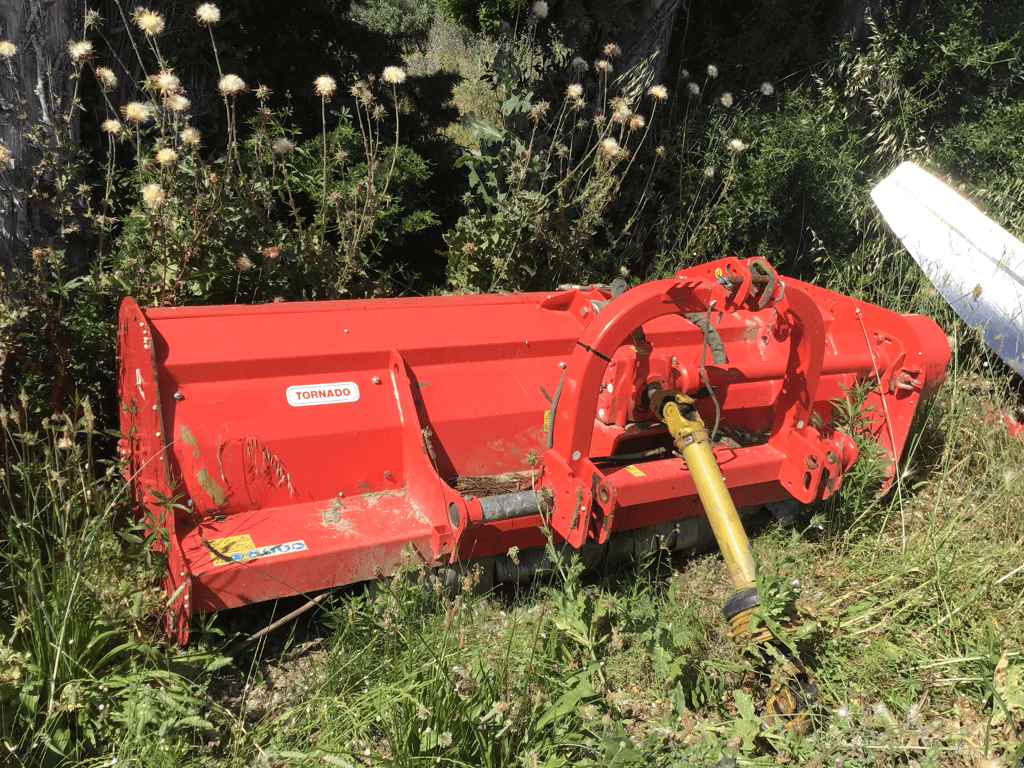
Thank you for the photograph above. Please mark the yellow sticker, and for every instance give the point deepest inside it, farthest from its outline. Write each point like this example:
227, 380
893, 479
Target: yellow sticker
547, 421
634, 470
235, 549
221, 550
718, 272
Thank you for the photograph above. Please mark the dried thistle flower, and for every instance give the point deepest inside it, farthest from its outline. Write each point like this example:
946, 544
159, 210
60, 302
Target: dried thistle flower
658, 92
620, 110
539, 9
610, 148
726, 99
5, 156
231, 85
137, 112
208, 14
263, 92
580, 65
177, 103
709, 172
694, 89
636, 122
106, 78
660, 150
245, 264
539, 109
112, 126
325, 86
282, 146
712, 71
153, 196
80, 51
166, 82
166, 156
603, 67
190, 137
737, 145
767, 89
574, 91
393, 75
65, 443
150, 22
7, 49
612, 51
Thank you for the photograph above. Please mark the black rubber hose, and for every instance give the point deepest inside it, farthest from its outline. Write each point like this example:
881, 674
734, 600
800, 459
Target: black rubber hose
718, 356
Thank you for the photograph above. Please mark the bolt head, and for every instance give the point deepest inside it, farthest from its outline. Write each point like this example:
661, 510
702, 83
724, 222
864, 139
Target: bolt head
575, 455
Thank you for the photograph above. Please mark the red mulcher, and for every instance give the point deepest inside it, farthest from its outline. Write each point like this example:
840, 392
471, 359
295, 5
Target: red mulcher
283, 449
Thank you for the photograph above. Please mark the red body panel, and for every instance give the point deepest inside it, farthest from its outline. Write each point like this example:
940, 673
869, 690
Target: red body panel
305, 445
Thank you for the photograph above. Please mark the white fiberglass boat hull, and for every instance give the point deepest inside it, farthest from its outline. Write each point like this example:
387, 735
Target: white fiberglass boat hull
975, 264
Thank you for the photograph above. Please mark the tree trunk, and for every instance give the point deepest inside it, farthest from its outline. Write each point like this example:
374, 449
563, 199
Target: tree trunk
651, 36
38, 127
851, 17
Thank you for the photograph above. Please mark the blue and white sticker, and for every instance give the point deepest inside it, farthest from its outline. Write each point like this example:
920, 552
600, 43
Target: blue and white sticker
275, 549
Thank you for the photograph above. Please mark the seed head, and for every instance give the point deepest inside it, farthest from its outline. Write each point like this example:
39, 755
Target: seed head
658, 92
282, 146
393, 75
726, 99
177, 103
7, 49
263, 92
712, 71
325, 86
539, 9
65, 443
245, 264
539, 109
153, 196
767, 89
112, 126
610, 148
694, 89
709, 172
5, 156
612, 51
580, 65
150, 22
166, 82
80, 51
445, 739
231, 85
166, 156
106, 78
574, 91
190, 137
137, 112
636, 122
603, 67
208, 14
660, 150
685, 74
736, 145
620, 111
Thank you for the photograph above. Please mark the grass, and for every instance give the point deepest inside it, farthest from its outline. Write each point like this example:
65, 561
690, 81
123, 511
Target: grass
913, 599
917, 608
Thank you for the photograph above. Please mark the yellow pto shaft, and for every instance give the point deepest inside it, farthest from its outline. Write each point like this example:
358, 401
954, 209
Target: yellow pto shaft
692, 440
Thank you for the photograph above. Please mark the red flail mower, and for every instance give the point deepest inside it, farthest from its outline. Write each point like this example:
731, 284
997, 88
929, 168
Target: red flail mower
286, 449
